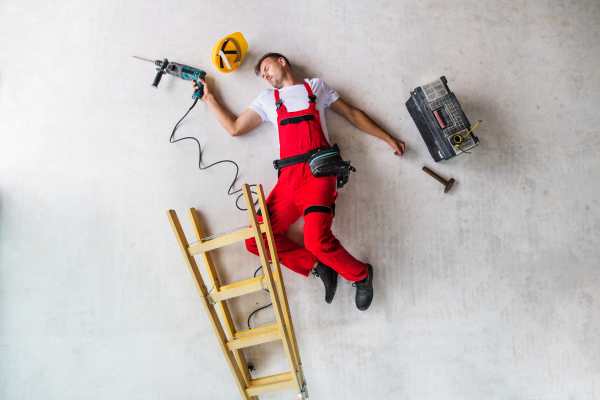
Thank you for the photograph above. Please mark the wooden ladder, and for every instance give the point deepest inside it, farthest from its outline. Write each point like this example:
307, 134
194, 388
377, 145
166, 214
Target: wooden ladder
234, 341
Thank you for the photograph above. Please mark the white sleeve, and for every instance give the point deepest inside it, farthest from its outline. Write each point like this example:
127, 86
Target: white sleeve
330, 94
258, 107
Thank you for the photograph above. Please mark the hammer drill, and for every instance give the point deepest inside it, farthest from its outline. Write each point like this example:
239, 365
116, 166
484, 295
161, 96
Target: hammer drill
182, 71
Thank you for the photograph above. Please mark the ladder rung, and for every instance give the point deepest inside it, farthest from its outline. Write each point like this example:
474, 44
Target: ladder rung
270, 384
262, 328
223, 240
239, 289
252, 337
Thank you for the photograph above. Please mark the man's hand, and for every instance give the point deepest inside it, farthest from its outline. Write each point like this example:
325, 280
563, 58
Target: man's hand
398, 145
207, 93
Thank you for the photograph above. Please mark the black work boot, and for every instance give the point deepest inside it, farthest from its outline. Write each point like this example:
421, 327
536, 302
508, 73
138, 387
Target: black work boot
364, 290
329, 278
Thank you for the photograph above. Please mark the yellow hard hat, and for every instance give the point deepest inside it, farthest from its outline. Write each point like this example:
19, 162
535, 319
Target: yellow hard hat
229, 52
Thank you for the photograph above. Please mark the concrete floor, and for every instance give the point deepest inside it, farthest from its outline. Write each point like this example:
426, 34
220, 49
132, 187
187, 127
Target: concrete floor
488, 292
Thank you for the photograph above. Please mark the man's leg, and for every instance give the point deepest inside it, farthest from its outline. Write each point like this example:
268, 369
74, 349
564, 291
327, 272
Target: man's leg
283, 213
315, 198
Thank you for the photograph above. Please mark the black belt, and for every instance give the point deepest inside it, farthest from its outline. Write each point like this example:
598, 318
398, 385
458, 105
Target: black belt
286, 162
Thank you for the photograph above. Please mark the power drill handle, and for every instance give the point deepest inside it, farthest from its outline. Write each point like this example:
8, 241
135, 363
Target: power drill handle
160, 73
200, 92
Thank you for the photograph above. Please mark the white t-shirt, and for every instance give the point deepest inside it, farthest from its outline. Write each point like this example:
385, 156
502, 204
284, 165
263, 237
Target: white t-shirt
295, 98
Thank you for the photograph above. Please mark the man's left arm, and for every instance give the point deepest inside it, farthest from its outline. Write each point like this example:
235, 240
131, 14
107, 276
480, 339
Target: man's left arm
362, 121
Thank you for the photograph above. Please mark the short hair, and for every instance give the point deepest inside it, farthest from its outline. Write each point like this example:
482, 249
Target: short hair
275, 56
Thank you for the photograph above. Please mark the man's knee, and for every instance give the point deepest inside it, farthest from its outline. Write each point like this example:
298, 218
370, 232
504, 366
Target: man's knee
251, 245
313, 242
317, 229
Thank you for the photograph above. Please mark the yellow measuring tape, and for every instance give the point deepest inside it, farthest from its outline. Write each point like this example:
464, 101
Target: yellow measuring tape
457, 139
472, 129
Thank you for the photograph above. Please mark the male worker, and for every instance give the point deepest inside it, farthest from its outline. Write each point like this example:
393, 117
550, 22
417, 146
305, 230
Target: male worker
296, 108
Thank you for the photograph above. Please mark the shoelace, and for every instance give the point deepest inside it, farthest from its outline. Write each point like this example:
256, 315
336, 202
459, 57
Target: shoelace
362, 284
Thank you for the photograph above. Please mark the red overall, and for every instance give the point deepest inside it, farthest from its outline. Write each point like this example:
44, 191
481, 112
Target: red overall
298, 193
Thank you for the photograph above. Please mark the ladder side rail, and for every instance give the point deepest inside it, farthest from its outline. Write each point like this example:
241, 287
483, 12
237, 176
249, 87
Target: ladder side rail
282, 322
279, 279
223, 307
210, 310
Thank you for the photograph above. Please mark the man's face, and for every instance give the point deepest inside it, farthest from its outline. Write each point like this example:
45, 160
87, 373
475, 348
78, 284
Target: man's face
273, 71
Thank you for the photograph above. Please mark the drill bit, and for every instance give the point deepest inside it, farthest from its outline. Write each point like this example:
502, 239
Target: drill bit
145, 59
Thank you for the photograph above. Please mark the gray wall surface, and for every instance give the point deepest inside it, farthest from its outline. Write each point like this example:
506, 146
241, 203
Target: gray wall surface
488, 292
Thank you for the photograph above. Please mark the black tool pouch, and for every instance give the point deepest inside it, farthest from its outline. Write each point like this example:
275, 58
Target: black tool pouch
325, 162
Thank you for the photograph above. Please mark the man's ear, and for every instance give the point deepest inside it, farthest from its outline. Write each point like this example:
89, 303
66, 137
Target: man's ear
281, 61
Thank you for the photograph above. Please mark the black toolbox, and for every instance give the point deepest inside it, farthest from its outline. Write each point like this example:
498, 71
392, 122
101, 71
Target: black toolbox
441, 121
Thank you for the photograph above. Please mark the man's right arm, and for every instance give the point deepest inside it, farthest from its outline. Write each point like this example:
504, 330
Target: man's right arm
236, 126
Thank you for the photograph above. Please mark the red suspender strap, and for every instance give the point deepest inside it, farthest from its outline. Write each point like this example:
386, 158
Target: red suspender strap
278, 102
312, 99
307, 86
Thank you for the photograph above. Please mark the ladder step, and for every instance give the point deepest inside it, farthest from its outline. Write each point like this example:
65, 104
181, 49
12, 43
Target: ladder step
252, 337
239, 289
270, 384
224, 240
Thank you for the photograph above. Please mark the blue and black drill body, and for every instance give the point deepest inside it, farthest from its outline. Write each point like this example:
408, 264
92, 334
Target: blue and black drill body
182, 71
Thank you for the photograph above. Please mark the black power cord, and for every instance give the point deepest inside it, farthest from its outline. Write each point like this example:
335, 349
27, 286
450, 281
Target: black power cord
258, 309
237, 169
229, 192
